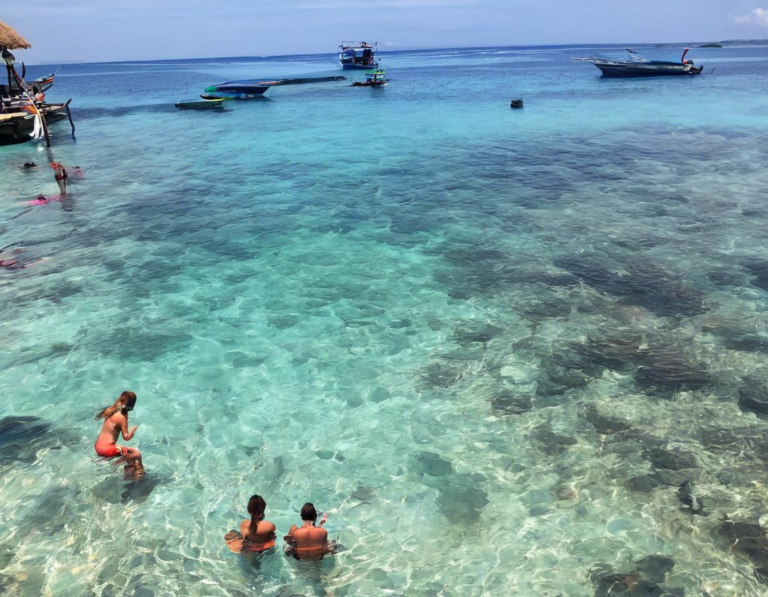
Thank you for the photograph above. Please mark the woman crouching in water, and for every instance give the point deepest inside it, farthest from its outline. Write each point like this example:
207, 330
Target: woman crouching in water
116, 422
256, 535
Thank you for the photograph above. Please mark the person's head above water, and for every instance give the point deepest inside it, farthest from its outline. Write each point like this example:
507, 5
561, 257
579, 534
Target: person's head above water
123, 404
256, 507
308, 512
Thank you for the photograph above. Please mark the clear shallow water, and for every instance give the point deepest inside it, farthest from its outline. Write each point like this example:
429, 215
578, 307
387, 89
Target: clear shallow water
490, 343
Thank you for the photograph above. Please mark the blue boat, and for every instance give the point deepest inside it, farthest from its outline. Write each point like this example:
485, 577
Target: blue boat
358, 55
638, 66
237, 90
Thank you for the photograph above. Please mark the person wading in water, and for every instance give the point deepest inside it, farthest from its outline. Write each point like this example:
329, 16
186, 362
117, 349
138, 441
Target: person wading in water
61, 177
256, 535
116, 422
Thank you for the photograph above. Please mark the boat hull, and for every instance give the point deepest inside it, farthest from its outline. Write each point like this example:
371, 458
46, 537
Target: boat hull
621, 70
217, 104
353, 66
16, 130
237, 90
217, 95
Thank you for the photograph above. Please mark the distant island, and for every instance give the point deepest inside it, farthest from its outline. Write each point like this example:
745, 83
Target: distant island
747, 42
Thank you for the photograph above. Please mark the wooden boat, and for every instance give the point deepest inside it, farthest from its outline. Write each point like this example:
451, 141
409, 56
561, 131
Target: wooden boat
638, 66
42, 84
16, 127
211, 104
374, 78
17, 123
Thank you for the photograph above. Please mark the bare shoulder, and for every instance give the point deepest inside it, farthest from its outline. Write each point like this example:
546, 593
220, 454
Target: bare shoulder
268, 526
118, 418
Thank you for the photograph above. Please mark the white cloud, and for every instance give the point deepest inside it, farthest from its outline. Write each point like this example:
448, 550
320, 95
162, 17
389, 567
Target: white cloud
759, 16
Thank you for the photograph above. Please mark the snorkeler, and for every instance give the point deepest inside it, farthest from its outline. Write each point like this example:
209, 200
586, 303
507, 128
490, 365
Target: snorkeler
309, 542
61, 176
17, 263
116, 422
29, 165
256, 535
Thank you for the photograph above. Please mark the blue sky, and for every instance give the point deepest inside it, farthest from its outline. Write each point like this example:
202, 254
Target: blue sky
105, 30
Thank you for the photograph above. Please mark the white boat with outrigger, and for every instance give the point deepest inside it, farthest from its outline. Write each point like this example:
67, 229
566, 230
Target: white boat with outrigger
639, 66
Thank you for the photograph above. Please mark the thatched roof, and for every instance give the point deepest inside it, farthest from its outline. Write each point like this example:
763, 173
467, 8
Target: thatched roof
10, 39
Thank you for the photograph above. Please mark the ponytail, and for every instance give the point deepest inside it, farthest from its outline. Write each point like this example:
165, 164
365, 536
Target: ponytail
256, 507
125, 399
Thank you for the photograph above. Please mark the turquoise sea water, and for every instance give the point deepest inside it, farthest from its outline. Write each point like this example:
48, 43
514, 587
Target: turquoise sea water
492, 344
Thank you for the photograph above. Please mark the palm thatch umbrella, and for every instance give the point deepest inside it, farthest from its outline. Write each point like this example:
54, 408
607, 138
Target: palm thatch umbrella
11, 40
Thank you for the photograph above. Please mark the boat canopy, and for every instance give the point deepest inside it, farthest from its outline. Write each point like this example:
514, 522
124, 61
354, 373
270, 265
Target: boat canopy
635, 56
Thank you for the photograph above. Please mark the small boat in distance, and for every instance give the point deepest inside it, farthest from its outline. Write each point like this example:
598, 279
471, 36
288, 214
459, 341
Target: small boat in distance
213, 104
358, 55
374, 78
638, 66
237, 90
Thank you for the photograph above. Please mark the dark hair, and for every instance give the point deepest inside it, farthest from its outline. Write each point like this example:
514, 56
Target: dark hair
126, 401
256, 507
308, 512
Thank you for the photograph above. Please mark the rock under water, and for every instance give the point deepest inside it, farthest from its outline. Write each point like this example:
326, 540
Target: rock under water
22, 437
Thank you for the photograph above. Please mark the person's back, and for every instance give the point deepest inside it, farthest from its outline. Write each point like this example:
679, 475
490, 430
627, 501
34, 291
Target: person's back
308, 542
263, 534
256, 535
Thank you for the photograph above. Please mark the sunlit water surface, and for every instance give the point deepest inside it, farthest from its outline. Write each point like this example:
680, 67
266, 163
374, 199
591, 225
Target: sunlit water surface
492, 344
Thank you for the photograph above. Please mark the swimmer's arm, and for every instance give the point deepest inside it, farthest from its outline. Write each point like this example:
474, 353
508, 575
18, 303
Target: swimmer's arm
324, 519
271, 531
127, 435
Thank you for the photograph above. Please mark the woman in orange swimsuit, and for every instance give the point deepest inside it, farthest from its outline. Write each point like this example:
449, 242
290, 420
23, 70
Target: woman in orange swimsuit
256, 535
116, 422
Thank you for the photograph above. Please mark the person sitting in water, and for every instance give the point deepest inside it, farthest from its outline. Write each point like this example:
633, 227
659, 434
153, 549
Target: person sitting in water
116, 422
310, 541
256, 535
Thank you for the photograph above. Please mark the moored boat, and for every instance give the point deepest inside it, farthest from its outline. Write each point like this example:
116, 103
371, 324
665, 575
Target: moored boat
638, 66
237, 90
24, 113
212, 104
17, 120
374, 78
358, 55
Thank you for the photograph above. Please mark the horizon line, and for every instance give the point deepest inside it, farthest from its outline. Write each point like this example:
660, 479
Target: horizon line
392, 51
